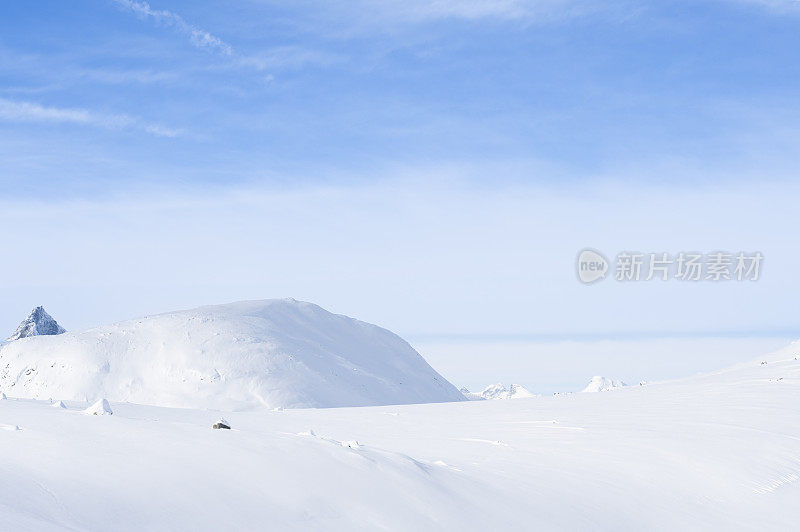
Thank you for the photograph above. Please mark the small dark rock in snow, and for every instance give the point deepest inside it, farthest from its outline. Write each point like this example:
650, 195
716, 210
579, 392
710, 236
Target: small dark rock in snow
221, 424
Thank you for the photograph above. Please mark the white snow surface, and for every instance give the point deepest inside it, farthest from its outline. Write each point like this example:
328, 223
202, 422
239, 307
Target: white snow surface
602, 384
272, 353
712, 452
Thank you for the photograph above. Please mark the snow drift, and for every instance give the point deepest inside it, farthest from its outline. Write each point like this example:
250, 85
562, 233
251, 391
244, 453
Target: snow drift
273, 353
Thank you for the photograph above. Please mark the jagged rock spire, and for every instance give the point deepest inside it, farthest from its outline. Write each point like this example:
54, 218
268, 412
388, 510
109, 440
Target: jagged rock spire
38, 322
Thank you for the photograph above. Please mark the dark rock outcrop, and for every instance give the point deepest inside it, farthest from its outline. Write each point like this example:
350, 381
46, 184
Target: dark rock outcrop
38, 323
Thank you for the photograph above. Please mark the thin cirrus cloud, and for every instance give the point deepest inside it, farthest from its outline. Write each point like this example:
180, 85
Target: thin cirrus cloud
198, 37
275, 58
20, 111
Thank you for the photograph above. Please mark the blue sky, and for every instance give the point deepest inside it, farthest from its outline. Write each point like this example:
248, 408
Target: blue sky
123, 92
433, 167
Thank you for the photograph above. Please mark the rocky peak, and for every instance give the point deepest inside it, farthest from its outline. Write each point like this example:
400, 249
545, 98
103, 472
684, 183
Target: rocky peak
38, 323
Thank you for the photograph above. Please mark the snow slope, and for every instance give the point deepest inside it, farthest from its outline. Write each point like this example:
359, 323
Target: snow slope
711, 452
273, 353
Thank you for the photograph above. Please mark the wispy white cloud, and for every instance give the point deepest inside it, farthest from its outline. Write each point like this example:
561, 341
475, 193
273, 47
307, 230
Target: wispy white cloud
198, 37
161, 131
19, 111
126, 77
32, 112
284, 57
281, 57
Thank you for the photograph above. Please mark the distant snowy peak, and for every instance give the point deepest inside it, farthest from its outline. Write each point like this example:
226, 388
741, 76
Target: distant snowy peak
498, 391
495, 391
602, 384
38, 323
470, 395
517, 391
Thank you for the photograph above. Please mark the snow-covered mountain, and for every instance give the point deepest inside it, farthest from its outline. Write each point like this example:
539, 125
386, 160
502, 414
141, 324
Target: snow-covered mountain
602, 384
494, 391
273, 353
38, 323
498, 391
